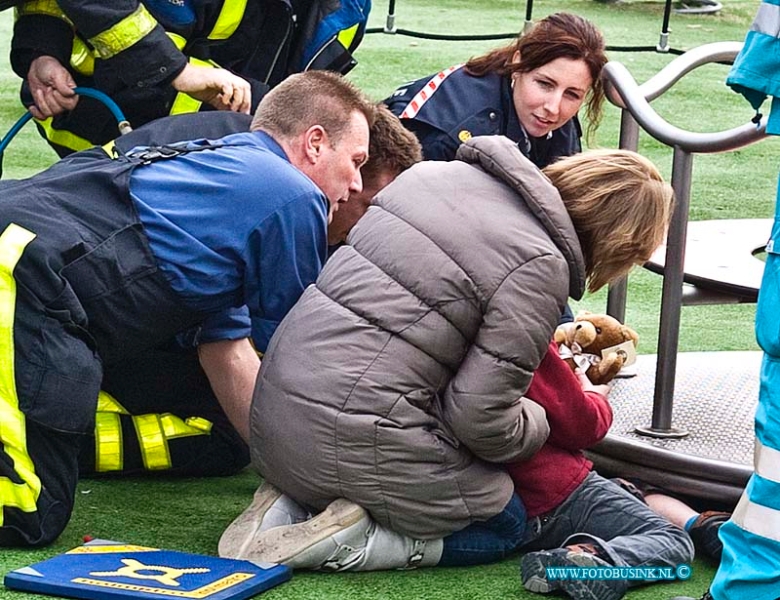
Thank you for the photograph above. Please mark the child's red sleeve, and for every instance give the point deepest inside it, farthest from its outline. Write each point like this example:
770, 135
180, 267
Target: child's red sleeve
577, 419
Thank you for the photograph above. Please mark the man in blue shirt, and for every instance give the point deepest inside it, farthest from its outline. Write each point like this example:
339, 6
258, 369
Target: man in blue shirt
157, 412
103, 259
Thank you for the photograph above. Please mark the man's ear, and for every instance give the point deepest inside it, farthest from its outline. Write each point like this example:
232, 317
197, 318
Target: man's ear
314, 140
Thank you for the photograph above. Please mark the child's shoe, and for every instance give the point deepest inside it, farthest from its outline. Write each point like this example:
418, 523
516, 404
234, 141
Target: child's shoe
704, 532
535, 575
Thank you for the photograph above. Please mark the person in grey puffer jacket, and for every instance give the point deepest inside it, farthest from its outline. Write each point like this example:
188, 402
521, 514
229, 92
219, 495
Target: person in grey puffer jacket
395, 386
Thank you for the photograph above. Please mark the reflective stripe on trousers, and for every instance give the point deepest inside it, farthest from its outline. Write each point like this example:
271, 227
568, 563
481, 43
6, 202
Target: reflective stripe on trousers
21, 491
152, 430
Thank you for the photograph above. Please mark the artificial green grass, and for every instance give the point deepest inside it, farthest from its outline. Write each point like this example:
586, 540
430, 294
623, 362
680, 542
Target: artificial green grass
189, 514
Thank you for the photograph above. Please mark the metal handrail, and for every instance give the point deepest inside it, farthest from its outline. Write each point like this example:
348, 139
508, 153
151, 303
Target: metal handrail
634, 100
626, 93
721, 52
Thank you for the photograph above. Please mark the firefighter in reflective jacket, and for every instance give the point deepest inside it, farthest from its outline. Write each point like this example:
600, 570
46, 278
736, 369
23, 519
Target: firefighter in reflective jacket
156, 412
157, 57
102, 261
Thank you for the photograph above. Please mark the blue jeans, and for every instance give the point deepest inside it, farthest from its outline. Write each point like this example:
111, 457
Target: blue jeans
486, 541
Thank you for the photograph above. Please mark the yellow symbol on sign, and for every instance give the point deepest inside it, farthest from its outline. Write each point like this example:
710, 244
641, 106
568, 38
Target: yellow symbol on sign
464, 135
167, 576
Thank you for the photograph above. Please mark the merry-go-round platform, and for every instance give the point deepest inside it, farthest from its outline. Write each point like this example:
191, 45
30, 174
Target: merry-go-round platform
685, 420
710, 452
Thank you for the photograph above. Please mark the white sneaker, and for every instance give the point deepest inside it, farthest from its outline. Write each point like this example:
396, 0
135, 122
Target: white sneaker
343, 537
270, 508
335, 535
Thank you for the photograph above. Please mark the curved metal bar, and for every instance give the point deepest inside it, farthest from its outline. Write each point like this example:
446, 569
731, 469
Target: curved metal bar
637, 452
720, 52
635, 101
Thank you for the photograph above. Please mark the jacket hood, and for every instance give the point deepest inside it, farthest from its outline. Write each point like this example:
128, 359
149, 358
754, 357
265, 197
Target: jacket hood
500, 156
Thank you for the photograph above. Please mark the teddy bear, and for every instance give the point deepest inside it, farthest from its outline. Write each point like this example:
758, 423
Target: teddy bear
582, 343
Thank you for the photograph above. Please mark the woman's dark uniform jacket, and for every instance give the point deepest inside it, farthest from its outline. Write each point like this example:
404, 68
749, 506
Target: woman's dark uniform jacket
453, 106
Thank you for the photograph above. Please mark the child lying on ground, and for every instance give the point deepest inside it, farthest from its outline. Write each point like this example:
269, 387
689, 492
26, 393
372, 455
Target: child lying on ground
576, 517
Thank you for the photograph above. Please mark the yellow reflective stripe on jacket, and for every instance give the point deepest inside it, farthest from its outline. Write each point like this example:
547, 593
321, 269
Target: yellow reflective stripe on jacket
153, 433
108, 434
178, 40
347, 36
108, 442
41, 7
184, 103
199, 426
13, 428
140, 23
228, 20
63, 137
124, 34
81, 57
110, 149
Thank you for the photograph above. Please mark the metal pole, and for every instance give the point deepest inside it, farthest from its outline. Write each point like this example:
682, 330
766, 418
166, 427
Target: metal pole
663, 41
618, 291
671, 301
529, 9
390, 21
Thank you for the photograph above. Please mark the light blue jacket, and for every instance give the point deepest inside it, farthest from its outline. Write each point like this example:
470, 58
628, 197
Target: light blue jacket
756, 71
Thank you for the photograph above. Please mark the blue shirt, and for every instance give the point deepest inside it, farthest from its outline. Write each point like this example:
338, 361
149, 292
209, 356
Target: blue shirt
233, 226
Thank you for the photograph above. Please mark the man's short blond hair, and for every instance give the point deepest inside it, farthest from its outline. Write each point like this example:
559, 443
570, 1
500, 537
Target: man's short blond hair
311, 98
620, 207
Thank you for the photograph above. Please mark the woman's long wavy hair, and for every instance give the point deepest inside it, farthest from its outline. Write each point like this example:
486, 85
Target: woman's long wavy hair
560, 35
619, 205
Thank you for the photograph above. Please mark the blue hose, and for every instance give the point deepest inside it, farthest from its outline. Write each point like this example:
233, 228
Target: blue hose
98, 95
13, 131
122, 123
